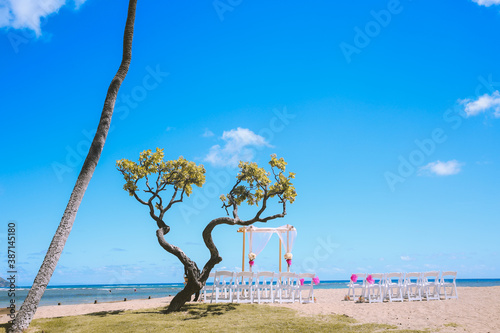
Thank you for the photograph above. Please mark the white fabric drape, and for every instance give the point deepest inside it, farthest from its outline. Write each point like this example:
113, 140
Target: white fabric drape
258, 241
292, 234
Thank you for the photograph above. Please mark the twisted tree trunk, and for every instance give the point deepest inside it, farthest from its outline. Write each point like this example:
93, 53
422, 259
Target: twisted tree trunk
197, 279
30, 304
190, 268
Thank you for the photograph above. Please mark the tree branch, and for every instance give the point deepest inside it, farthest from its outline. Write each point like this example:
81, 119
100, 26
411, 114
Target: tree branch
264, 203
158, 180
173, 197
159, 221
139, 199
147, 184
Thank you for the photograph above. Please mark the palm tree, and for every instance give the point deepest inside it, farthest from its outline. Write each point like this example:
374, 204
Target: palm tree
30, 304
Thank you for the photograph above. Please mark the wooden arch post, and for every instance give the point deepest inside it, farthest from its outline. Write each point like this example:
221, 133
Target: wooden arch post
243, 252
280, 253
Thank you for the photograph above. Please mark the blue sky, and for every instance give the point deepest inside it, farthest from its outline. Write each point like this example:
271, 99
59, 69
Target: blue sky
388, 112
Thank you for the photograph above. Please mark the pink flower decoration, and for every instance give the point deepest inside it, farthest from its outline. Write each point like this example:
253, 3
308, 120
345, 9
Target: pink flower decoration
289, 262
301, 282
316, 280
370, 279
251, 262
354, 278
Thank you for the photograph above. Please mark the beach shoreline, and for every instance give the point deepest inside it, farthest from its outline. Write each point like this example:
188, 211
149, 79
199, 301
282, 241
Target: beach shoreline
476, 310
55, 311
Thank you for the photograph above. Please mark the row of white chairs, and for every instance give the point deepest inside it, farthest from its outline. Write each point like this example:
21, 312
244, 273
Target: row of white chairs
404, 286
261, 287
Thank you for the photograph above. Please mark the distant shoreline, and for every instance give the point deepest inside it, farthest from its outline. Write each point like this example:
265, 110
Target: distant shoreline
473, 281
443, 315
109, 293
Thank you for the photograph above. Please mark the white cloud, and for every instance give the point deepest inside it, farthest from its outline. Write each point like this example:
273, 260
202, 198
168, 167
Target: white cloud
406, 258
238, 147
208, 133
487, 3
78, 3
483, 104
26, 14
4, 15
442, 168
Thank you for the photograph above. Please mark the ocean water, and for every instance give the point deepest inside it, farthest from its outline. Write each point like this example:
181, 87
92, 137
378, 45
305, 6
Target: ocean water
80, 294
460, 283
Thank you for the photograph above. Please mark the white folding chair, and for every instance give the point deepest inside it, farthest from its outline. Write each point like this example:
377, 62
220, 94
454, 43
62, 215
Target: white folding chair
430, 285
223, 287
413, 286
394, 287
265, 288
448, 280
359, 285
206, 288
244, 285
308, 287
376, 290
287, 287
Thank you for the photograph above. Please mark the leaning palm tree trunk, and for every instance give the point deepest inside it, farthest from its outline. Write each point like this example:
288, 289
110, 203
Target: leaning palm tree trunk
30, 304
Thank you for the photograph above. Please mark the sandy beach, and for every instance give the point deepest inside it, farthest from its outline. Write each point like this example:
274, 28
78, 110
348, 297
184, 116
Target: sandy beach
477, 310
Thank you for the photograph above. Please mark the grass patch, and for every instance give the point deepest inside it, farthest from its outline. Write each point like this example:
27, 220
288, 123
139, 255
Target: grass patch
206, 318
452, 325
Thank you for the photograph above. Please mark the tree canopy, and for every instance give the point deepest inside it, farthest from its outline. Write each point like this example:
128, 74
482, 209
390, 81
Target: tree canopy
255, 186
181, 174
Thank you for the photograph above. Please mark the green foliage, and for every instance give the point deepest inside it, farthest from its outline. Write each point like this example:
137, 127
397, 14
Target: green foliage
255, 185
180, 173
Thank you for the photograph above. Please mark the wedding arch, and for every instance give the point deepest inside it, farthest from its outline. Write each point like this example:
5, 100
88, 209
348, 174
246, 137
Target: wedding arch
258, 239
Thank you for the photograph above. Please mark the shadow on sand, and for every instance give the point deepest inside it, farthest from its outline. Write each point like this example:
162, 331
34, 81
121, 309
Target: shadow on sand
198, 311
6, 326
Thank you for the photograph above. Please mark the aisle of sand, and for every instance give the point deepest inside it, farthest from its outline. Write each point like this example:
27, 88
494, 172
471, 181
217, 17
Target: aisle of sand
477, 310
